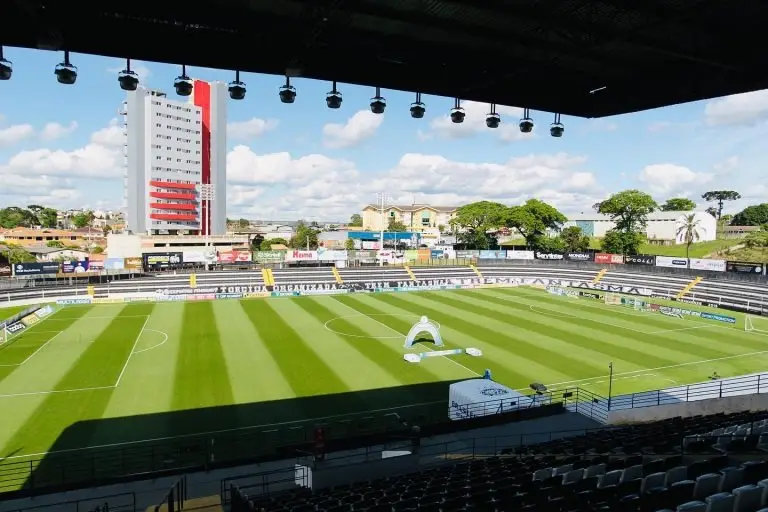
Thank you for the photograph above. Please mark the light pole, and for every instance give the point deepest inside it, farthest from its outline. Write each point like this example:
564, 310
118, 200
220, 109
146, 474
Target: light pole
382, 198
610, 383
207, 191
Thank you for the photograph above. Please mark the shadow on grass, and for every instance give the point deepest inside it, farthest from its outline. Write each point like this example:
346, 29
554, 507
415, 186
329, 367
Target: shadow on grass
113, 449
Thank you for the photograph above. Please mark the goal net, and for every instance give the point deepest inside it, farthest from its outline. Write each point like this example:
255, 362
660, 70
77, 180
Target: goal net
636, 303
756, 324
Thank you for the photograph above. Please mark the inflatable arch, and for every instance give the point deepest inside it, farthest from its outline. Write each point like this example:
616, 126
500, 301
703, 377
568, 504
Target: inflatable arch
427, 326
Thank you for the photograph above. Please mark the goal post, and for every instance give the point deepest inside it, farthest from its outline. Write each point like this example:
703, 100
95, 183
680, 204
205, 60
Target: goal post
757, 324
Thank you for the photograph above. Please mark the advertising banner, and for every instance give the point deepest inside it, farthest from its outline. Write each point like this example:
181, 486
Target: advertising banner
549, 256
268, 256
163, 259
579, 256
114, 264
640, 260
711, 265
71, 302
134, 263
30, 269
493, 255
44, 312
324, 254
297, 255
467, 254
670, 262
423, 254
194, 257
76, 267
96, 262
30, 320
5, 270
521, 255
411, 254
234, 257
436, 254
743, 267
108, 300
611, 259
390, 256
17, 327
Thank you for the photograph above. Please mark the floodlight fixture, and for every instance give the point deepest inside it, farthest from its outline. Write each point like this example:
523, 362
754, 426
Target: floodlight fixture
333, 98
378, 102
526, 123
6, 67
183, 84
556, 129
493, 119
236, 88
128, 80
418, 109
457, 113
65, 72
287, 92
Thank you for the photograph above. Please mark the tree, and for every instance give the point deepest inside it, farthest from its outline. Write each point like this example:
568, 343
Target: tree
473, 221
349, 244
756, 240
356, 220
712, 211
678, 204
533, 219
54, 243
97, 250
574, 240
266, 244
720, 196
48, 218
106, 230
17, 254
83, 219
688, 231
755, 215
622, 242
629, 209
396, 226
13, 216
243, 223
304, 237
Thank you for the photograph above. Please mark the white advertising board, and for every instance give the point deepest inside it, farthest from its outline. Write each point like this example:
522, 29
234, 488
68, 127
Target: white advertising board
711, 265
298, 255
520, 255
669, 262
482, 397
324, 254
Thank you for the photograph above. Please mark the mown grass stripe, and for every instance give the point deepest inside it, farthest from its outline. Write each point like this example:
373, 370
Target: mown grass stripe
305, 372
25, 344
380, 353
68, 419
690, 349
499, 360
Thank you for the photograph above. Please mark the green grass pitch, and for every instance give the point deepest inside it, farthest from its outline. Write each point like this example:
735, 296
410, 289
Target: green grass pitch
140, 360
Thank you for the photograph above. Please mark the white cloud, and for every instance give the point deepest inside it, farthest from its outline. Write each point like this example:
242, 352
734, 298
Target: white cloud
673, 180
659, 126
728, 164
15, 134
250, 129
474, 122
740, 109
358, 128
245, 166
53, 131
111, 137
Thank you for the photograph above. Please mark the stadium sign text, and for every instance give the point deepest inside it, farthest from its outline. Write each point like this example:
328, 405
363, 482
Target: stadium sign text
640, 260
18, 326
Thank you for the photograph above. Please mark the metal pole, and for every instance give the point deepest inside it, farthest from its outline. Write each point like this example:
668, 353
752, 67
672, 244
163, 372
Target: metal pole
610, 383
382, 197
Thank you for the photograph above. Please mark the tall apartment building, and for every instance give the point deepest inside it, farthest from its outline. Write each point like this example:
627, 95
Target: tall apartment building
171, 149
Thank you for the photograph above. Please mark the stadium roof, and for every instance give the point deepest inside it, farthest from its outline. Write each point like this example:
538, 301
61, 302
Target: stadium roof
542, 54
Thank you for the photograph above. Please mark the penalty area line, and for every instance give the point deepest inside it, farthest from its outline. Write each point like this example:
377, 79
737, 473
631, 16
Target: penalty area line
130, 354
55, 391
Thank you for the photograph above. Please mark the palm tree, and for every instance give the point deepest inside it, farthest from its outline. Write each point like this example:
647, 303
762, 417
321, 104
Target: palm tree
688, 230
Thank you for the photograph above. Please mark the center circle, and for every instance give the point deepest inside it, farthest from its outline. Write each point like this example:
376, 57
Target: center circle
373, 317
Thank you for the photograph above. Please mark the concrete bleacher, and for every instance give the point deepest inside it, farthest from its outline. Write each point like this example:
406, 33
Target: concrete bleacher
294, 276
431, 273
367, 274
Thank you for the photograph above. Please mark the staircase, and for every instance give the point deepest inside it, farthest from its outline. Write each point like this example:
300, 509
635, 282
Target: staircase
410, 272
600, 275
688, 287
476, 271
269, 278
337, 275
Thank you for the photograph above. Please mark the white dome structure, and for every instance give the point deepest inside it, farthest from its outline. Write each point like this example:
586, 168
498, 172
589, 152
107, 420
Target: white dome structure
424, 325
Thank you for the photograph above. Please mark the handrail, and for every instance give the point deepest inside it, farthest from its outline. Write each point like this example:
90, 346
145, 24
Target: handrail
175, 498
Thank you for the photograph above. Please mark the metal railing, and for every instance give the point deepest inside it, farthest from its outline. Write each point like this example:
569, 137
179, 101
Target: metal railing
718, 388
123, 502
175, 498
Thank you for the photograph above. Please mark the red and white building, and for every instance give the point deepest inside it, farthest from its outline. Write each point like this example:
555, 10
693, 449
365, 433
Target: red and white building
172, 148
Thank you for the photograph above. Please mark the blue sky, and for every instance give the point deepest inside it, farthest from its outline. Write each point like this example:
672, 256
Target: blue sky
59, 146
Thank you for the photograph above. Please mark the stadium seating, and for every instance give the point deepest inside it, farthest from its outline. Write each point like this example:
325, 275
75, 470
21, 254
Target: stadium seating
443, 273
367, 274
611, 470
295, 276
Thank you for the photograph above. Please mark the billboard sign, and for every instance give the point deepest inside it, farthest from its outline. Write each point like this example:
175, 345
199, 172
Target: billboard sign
30, 269
744, 267
640, 260
670, 262
549, 256
711, 265
163, 259
75, 267
579, 256
610, 259
268, 256
493, 255
298, 255
521, 255
96, 262
234, 257
324, 254
134, 263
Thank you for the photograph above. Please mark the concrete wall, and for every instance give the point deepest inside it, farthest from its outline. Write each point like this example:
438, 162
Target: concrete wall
687, 409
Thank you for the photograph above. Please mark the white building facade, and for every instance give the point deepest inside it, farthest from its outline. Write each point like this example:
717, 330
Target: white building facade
662, 226
172, 148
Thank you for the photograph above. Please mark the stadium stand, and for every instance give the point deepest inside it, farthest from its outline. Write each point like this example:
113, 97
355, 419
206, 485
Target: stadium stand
636, 468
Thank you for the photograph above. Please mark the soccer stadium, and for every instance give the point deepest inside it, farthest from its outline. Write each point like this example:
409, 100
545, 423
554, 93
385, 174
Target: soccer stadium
173, 357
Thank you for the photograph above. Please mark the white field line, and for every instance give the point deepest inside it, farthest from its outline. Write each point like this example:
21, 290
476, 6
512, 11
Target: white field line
165, 338
128, 359
104, 317
212, 432
34, 393
473, 372
41, 347
682, 329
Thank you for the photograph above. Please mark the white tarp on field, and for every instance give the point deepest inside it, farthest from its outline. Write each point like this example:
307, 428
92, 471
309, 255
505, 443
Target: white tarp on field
483, 397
